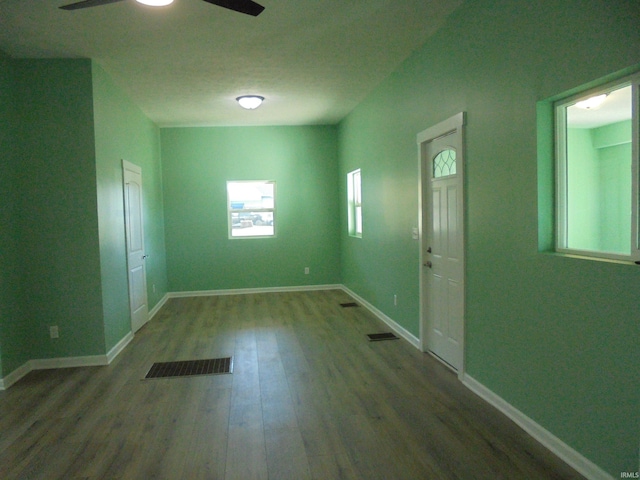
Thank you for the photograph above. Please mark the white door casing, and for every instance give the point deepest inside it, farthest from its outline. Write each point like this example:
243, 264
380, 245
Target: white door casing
442, 272
134, 232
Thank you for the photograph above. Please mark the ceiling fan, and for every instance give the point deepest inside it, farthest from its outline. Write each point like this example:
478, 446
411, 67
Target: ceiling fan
243, 6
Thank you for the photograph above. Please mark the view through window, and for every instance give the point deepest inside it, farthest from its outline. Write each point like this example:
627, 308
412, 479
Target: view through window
597, 191
251, 208
354, 199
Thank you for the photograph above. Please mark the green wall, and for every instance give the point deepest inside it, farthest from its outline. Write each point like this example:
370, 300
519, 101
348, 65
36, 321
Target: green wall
556, 337
56, 208
197, 162
11, 334
64, 128
599, 191
582, 199
123, 132
613, 144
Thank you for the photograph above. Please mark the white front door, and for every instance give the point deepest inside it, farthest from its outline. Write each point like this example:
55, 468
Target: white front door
133, 216
442, 247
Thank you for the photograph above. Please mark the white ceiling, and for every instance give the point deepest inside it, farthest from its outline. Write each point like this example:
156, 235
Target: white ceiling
184, 65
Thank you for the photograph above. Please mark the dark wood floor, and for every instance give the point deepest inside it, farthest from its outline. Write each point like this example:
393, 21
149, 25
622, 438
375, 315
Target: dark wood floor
309, 397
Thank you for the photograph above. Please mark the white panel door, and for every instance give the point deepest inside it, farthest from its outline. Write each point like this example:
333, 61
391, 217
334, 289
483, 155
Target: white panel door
442, 285
134, 231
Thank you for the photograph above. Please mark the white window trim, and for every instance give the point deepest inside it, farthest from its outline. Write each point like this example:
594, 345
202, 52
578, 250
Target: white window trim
250, 210
560, 144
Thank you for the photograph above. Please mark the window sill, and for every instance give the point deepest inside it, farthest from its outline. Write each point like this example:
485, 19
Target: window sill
589, 257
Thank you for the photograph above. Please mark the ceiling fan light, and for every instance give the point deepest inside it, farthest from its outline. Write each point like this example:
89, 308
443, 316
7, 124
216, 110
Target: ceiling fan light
155, 3
592, 102
250, 102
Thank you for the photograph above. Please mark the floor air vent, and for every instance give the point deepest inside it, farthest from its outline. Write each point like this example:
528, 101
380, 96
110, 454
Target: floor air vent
376, 337
211, 366
348, 304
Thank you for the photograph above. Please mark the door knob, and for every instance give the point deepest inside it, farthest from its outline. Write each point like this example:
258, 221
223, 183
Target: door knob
428, 264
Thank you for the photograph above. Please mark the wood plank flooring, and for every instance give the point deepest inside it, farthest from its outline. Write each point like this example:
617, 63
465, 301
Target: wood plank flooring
309, 398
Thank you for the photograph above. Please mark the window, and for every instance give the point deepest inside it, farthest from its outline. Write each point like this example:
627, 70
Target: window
444, 164
597, 172
354, 200
251, 207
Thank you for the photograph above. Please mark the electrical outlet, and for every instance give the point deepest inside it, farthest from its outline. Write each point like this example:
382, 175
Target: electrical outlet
53, 332
306, 270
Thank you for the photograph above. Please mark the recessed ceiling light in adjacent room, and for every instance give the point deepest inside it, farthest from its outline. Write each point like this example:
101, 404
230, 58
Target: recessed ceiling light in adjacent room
250, 102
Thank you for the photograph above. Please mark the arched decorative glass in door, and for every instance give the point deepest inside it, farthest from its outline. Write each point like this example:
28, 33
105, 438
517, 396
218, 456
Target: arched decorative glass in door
444, 163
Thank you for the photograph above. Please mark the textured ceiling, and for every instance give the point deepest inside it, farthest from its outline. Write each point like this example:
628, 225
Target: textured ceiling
184, 65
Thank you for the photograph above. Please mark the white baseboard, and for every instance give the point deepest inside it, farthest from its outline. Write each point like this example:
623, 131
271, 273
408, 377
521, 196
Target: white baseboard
245, 291
119, 347
158, 306
49, 363
14, 376
397, 328
68, 362
573, 458
65, 362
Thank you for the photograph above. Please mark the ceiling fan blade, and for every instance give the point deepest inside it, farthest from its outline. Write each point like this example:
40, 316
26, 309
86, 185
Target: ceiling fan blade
242, 6
87, 4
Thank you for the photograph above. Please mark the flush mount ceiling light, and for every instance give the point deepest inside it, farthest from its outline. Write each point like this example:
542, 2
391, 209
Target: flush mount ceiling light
592, 102
250, 102
248, 7
155, 3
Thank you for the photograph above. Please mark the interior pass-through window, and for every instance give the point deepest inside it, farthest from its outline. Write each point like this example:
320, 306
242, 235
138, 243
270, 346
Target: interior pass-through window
597, 172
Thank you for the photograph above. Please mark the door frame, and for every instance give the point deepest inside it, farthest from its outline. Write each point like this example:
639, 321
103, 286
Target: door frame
453, 124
